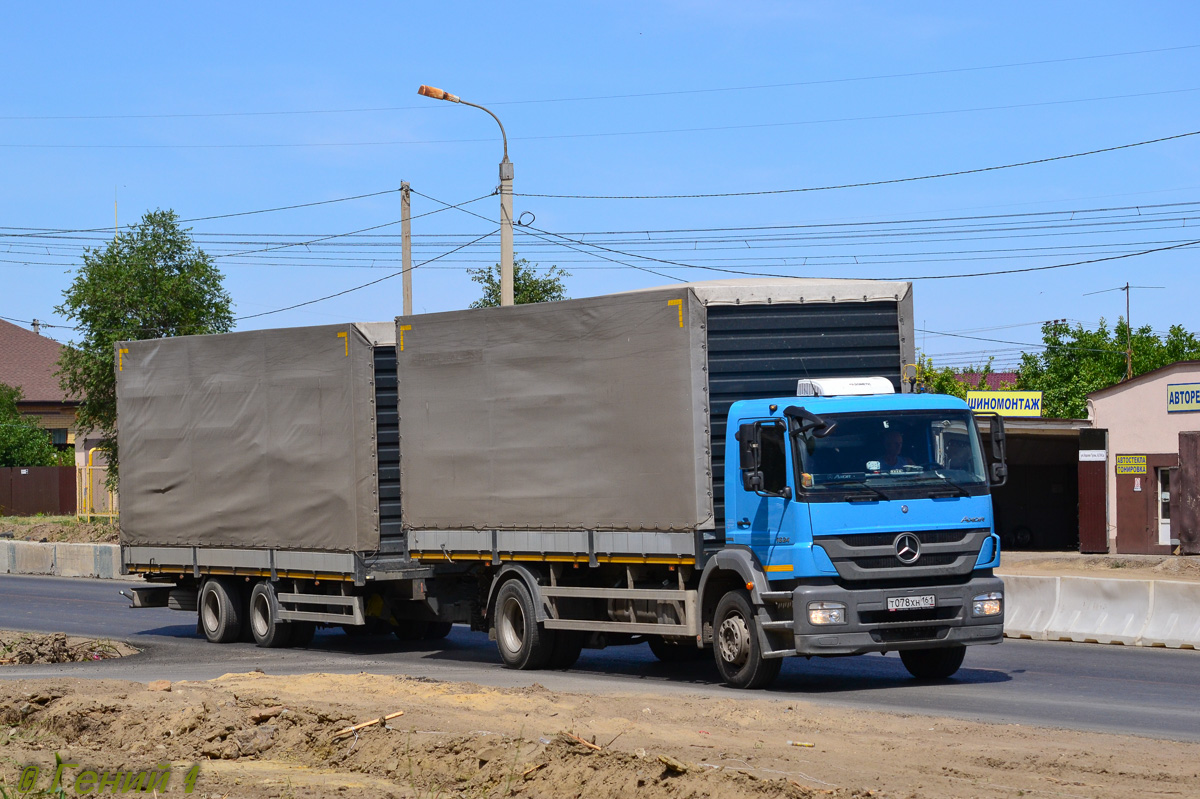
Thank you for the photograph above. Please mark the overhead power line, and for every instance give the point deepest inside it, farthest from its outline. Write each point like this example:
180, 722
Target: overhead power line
627, 96
863, 184
354, 288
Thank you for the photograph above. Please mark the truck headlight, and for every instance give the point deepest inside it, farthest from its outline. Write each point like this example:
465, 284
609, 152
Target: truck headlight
826, 613
989, 604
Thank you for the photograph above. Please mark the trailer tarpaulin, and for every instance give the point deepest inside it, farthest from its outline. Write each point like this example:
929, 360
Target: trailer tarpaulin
257, 439
586, 414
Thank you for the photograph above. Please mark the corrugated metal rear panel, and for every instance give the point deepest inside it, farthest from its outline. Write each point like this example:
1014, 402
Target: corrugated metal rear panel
387, 431
757, 351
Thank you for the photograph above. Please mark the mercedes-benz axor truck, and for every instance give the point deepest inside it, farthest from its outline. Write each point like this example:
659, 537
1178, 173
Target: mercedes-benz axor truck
732, 469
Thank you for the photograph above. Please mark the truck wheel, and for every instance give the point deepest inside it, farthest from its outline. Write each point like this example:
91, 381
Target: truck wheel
220, 612
933, 664
568, 644
523, 643
673, 652
268, 632
735, 644
302, 632
438, 630
411, 629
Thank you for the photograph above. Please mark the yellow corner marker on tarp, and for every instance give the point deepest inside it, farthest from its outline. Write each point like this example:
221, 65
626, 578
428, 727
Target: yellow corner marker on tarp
402, 329
347, 339
678, 303
121, 353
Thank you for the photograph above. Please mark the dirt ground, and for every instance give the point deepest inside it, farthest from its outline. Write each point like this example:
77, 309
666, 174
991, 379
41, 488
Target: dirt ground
57, 529
18, 648
257, 736
1073, 564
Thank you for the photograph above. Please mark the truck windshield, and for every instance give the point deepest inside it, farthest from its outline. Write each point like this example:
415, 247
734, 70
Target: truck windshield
882, 452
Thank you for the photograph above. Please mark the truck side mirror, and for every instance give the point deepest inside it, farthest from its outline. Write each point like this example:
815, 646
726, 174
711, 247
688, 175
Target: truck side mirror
750, 457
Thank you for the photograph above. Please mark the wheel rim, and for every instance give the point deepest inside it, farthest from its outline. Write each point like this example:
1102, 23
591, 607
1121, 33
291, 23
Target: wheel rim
260, 616
733, 640
512, 624
211, 611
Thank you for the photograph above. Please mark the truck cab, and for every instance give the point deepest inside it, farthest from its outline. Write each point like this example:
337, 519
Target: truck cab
869, 514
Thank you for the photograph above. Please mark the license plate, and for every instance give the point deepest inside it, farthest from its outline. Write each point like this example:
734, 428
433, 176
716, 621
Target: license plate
911, 602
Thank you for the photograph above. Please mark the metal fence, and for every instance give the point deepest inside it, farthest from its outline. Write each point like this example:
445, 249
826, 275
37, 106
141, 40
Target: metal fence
93, 499
33, 490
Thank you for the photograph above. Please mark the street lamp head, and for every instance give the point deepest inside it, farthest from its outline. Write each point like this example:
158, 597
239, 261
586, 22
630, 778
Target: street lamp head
437, 94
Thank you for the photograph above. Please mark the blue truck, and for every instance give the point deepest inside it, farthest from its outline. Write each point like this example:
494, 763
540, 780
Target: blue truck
733, 469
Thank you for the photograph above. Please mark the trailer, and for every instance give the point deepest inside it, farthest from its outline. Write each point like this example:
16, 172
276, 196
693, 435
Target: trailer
586, 473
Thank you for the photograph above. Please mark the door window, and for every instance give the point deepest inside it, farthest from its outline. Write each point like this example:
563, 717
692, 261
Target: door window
1164, 507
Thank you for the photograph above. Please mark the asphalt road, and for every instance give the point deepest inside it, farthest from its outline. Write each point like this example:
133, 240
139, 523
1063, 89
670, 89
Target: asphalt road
1149, 692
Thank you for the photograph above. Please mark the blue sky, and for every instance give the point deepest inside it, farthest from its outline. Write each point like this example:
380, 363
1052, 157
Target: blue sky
745, 97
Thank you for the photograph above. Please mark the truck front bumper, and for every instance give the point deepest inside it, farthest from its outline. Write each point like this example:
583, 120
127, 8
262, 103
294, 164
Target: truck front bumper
870, 627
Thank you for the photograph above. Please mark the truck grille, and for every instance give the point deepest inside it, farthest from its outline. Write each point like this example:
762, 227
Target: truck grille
872, 556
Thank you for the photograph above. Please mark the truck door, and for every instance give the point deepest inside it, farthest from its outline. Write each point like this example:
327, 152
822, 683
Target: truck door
765, 516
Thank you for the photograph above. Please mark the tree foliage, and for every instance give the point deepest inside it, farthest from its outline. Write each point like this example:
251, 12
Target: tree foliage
150, 282
1076, 362
528, 285
956, 382
22, 441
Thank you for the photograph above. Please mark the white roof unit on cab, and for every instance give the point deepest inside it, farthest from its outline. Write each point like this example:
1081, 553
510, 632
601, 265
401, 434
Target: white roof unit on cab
844, 387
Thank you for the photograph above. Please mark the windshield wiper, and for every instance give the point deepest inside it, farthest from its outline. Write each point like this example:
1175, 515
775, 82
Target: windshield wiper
962, 492
861, 484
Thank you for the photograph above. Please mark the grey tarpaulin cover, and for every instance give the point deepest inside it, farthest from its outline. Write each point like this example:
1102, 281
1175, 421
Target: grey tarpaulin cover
257, 439
581, 414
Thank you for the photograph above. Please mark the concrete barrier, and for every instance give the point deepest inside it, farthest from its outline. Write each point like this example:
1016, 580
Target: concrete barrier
60, 560
29, 557
1029, 603
1174, 618
1103, 611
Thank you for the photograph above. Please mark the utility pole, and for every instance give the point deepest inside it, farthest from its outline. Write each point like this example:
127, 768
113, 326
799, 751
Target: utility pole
506, 179
406, 245
1128, 323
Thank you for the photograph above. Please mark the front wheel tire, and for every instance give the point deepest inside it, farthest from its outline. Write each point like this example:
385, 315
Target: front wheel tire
523, 643
933, 664
736, 647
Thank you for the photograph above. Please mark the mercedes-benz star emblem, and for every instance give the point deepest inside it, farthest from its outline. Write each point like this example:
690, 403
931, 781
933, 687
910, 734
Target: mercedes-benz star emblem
908, 548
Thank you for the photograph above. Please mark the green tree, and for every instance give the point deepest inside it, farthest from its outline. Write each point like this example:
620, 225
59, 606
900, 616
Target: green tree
1076, 362
22, 441
528, 285
150, 282
944, 380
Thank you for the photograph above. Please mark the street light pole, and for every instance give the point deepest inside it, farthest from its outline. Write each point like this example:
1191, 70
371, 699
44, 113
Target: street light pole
506, 179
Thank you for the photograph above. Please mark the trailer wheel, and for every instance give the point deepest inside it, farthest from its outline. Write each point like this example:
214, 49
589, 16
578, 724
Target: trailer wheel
411, 629
268, 631
735, 644
523, 643
675, 651
220, 611
933, 664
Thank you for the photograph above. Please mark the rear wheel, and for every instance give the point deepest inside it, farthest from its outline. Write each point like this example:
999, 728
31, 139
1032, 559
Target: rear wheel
568, 644
669, 651
438, 630
735, 644
523, 643
268, 631
220, 611
411, 629
933, 664
302, 632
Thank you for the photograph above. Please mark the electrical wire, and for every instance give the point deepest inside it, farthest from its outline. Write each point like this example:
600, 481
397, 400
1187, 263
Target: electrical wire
863, 184
349, 290
666, 93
